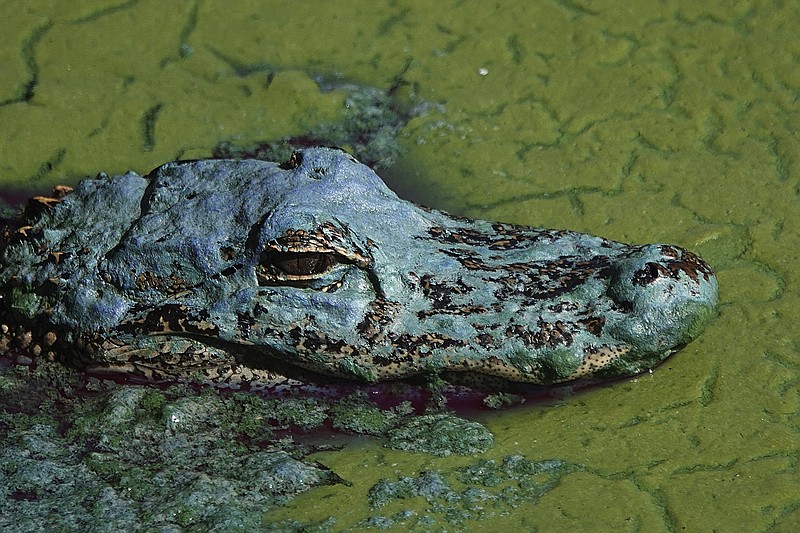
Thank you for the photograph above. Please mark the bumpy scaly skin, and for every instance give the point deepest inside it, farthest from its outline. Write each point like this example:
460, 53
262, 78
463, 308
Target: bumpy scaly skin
250, 270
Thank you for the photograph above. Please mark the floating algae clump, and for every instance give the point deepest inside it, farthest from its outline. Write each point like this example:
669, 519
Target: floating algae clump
78, 452
471, 493
441, 434
129, 457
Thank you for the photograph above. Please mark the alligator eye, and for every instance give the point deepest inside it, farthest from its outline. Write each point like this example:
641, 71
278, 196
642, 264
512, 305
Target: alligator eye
293, 268
301, 264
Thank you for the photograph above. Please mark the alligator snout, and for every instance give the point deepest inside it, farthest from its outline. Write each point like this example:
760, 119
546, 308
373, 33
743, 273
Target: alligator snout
544, 307
670, 293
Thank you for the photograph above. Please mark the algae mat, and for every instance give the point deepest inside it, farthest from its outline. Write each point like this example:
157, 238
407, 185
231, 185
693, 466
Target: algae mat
642, 122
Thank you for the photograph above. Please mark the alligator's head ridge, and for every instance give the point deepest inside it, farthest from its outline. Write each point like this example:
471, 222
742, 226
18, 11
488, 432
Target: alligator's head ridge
252, 270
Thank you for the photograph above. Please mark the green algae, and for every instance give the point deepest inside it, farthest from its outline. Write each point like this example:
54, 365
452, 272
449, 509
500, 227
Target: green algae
368, 126
441, 434
478, 491
501, 400
141, 457
181, 457
357, 415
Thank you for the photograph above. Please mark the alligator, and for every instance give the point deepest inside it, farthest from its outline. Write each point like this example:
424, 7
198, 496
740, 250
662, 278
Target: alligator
234, 271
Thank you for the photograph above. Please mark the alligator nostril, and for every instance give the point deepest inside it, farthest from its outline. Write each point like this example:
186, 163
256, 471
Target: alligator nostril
648, 274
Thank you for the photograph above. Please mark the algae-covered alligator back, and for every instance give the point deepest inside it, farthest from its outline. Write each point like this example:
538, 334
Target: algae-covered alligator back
245, 270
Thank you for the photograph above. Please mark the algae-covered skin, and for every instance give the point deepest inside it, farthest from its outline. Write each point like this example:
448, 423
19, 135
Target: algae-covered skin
245, 270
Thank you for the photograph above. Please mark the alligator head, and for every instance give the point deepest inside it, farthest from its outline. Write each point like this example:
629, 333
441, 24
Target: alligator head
251, 270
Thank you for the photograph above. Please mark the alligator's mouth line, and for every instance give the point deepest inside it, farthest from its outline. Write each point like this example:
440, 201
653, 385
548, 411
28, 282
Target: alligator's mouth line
275, 370
277, 367
269, 366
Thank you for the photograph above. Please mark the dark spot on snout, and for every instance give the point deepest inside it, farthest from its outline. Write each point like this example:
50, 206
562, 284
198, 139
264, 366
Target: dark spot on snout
648, 274
678, 261
690, 264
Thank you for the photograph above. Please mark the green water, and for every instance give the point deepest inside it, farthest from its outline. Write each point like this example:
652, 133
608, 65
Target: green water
639, 121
